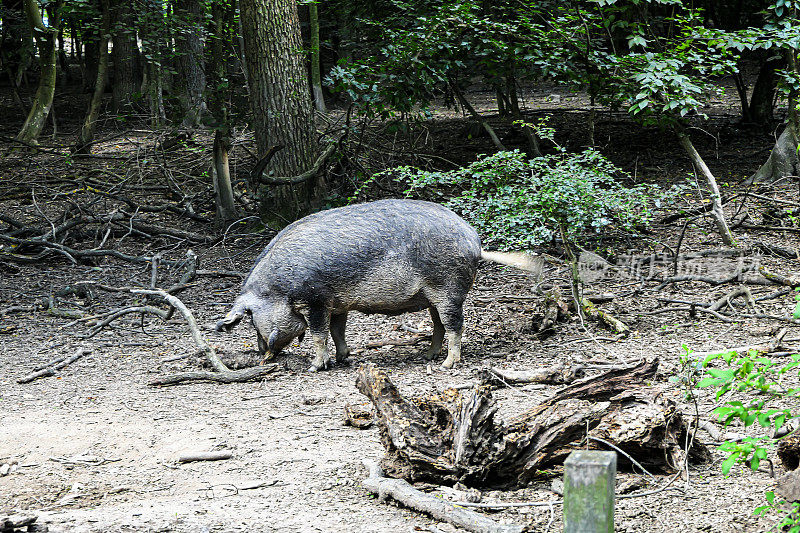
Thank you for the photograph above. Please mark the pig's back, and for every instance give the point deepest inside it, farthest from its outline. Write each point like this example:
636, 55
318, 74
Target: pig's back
387, 246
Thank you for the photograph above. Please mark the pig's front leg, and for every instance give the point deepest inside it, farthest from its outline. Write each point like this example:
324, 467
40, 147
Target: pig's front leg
319, 321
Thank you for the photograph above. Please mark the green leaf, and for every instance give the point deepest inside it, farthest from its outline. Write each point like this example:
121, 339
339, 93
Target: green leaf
728, 463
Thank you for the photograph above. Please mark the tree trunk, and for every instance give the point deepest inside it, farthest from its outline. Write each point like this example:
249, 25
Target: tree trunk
125, 55
43, 101
516, 114
63, 62
153, 39
16, 47
191, 78
226, 208
316, 77
783, 160
83, 144
760, 108
220, 29
91, 55
279, 97
716, 197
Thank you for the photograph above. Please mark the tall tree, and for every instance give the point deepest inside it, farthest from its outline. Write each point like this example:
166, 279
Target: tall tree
279, 93
86, 135
221, 26
125, 55
316, 77
782, 34
153, 35
191, 78
46, 43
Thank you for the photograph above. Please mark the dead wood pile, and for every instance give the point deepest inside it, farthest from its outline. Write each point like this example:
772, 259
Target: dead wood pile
453, 437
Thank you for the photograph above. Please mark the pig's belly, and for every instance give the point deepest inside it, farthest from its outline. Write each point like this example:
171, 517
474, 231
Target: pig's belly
389, 292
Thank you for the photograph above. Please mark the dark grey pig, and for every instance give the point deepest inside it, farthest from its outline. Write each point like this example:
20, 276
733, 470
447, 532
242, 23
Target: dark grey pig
389, 257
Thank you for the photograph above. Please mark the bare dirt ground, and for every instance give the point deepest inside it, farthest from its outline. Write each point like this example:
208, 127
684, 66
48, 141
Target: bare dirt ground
97, 447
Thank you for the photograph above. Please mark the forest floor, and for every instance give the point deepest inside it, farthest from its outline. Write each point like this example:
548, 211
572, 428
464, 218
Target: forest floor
97, 448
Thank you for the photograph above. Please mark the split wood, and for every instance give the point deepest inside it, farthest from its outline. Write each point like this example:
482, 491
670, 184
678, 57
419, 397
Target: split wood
403, 492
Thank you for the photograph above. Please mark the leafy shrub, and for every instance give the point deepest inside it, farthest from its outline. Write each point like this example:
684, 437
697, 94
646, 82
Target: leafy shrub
519, 203
762, 381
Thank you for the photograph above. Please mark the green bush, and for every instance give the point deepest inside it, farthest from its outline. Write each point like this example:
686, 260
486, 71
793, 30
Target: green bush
519, 203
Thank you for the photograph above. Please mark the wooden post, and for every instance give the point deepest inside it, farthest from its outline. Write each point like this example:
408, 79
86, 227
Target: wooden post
589, 491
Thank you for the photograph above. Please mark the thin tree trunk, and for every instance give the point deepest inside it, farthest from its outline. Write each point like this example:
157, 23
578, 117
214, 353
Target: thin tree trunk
153, 44
83, 144
716, 197
43, 101
741, 89
191, 78
279, 97
516, 114
226, 208
483, 122
316, 78
221, 24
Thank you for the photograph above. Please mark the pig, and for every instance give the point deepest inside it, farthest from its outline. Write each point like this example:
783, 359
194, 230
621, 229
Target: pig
387, 256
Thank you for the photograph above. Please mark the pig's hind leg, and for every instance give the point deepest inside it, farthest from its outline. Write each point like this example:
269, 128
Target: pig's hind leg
451, 313
438, 335
338, 323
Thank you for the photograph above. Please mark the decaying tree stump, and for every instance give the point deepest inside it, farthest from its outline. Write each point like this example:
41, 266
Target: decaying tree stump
453, 437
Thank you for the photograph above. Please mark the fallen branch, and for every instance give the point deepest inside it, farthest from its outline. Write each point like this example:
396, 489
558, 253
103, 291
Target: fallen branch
16, 521
789, 281
555, 375
219, 455
223, 374
305, 176
735, 293
403, 492
594, 312
51, 370
231, 376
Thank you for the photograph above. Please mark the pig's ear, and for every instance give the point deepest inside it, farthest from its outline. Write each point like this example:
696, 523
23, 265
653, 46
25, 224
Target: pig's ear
273, 338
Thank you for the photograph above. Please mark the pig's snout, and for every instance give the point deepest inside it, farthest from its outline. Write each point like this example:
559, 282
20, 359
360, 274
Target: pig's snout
229, 322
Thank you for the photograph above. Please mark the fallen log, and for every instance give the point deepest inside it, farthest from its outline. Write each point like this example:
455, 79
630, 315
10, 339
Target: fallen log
453, 437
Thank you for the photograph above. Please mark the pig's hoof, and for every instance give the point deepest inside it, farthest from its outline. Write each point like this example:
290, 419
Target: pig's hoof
316, 367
